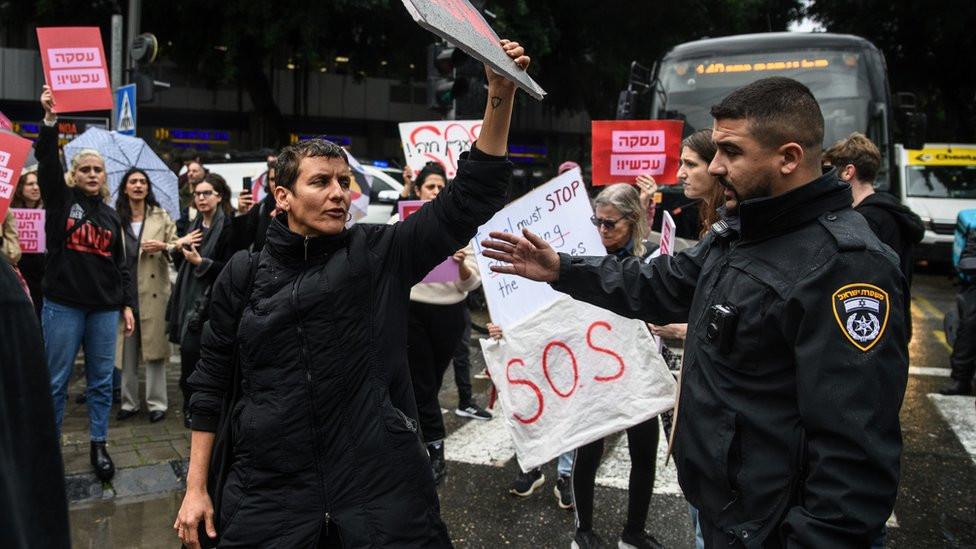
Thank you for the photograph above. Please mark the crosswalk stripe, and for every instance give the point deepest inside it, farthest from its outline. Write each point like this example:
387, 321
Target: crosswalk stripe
480, 443
614, 472
923, 371
958, 412
488, 443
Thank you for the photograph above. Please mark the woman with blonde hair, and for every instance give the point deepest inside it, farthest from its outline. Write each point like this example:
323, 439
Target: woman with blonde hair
86, 284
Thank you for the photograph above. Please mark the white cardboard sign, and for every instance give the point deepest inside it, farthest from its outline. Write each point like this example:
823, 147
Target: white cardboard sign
574, 373
559, 212
440, 141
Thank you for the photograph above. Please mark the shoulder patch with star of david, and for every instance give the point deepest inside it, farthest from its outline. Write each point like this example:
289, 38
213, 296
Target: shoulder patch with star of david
861, 311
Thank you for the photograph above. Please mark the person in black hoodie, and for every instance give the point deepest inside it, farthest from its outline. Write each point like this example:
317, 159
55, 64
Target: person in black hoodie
857, 160
326, 451
86, 284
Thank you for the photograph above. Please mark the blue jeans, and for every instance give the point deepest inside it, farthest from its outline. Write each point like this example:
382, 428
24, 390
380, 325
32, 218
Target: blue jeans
65, 328
565, 464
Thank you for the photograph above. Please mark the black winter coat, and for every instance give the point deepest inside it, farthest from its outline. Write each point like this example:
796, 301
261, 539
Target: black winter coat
325, 435
790, 435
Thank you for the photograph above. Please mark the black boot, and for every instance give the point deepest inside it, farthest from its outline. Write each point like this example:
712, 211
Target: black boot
437, 464
101, 461
957, 387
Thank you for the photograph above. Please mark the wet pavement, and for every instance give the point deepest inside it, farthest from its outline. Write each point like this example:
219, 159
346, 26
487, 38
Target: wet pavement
935, 507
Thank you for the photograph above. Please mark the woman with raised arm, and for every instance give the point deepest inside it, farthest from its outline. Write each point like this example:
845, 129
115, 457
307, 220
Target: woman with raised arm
86, 284
326, 451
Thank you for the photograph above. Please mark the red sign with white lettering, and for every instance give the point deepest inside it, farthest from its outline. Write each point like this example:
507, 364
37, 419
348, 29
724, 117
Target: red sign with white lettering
624, 149
75, 68
13, 154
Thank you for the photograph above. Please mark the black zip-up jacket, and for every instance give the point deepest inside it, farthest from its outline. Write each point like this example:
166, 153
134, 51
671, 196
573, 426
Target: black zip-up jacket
789, 436
325, 434
896, 225
87, 271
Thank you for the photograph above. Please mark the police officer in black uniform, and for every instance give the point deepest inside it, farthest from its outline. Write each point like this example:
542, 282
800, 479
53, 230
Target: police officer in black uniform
787, 429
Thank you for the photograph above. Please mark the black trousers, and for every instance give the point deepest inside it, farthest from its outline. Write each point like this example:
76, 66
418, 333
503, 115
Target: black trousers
642, 441
433, 332
462, 363
963, 358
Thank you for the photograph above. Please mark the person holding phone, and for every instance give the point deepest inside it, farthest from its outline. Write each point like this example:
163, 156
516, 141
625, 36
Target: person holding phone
204, 251
251, 228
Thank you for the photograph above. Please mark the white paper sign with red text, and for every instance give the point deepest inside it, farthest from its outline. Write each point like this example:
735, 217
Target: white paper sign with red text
440, 141
30, 229
574, 373
75, 68
559, 212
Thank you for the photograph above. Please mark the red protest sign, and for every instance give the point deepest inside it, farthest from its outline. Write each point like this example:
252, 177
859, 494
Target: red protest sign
75, 68
5, 123
13, 154
624, 149
458, 22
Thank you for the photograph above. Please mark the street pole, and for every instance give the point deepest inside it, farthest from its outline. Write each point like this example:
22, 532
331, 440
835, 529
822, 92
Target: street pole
135, 20
116, 63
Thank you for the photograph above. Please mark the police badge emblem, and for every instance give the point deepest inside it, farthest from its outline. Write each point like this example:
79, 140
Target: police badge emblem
861, 311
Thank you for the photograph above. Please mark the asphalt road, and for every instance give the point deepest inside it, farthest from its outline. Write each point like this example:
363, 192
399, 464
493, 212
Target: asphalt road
935, 507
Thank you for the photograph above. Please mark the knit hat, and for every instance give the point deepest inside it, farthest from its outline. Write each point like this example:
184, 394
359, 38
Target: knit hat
568, 165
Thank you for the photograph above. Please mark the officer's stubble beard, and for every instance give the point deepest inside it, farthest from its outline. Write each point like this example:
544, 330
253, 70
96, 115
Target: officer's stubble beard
762, 189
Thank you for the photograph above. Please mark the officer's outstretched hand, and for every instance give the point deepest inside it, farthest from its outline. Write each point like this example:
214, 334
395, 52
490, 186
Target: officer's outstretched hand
530, 257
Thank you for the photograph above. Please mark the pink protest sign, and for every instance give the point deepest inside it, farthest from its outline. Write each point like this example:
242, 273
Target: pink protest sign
13, 154
667, 234
30, 229
440, 141
5, 123
75, 68
446, 271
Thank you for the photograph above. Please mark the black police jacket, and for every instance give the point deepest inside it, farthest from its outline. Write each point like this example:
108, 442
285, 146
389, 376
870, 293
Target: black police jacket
325, 433
787, 431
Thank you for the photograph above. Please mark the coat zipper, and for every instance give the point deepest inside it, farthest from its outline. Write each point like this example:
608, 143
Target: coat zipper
303, 353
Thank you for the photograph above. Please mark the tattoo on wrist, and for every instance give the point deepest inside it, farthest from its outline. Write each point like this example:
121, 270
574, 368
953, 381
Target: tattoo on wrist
495, 101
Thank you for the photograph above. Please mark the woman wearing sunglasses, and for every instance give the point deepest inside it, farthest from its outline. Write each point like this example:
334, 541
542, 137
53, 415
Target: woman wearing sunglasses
621, 219
207, 246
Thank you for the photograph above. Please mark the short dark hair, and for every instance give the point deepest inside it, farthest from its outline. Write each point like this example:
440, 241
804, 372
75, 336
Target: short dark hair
291, 157
859, 151
779, 110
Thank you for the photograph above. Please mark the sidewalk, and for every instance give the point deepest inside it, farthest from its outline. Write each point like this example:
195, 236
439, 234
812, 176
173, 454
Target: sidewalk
149, 457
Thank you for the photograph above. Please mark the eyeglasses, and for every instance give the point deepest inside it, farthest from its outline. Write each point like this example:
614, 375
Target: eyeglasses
608, 223
203, 194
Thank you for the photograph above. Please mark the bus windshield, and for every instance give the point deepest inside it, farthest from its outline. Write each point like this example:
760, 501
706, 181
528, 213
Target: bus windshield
838, 79
942, 181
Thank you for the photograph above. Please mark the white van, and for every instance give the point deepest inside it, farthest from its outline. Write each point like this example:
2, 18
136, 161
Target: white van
936, 183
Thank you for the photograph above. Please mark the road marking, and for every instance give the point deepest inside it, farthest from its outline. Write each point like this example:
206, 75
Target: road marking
916, 310
958, 412
481, 443
930, 310
940, 335
614, 472
923, 371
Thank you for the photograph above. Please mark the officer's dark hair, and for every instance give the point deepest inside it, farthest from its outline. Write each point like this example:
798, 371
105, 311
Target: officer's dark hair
291, 157
859, 151
779, 110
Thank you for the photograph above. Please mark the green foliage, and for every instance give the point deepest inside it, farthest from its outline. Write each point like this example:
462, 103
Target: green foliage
927, 46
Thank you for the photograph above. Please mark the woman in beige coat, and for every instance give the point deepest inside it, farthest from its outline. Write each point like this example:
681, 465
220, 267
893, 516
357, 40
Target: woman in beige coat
150, 236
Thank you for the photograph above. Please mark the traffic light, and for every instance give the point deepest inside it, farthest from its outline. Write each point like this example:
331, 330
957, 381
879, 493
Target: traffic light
442, 85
